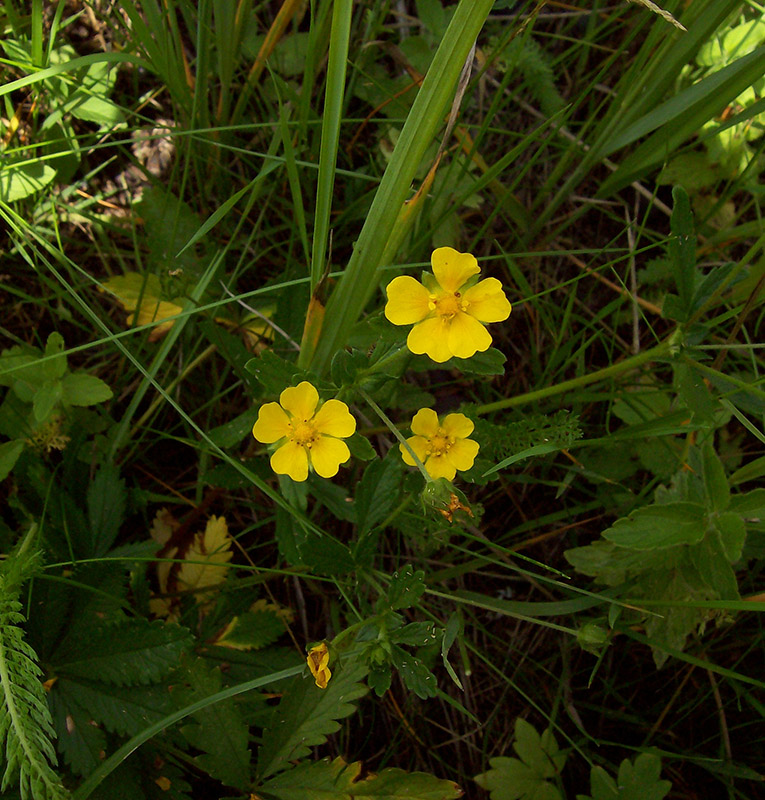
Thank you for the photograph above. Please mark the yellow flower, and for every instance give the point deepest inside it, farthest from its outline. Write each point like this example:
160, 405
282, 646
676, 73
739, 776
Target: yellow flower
450, 311
318, 660
443, 447
307, 436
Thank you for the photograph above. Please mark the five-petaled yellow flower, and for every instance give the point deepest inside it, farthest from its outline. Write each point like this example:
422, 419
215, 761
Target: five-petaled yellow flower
307, 436
449, 312
318, 661
442, 446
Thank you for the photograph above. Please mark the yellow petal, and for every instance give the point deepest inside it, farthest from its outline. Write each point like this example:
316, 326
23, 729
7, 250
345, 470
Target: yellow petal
425, 422
291, 459
467, 336
272, 424
420, 447
408, 301
487, 302
327, 454
457, 425
462, 454
334, 419
440, 467
300, 400
453, 268
431, 336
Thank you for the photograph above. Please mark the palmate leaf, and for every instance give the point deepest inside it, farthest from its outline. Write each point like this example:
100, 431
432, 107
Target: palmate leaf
527, 777
307, 715
131, 652
26, 731
336, 780
638, 781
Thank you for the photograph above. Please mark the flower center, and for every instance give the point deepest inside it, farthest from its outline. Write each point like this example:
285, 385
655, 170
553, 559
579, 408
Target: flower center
439, 444
448, 304
303, 433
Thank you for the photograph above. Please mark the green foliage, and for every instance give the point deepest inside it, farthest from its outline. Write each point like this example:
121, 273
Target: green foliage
336, 780
680, 548
42, 394
124, 653
635, 781
26, 730
527, 777
218, 730
526, 56
306, 715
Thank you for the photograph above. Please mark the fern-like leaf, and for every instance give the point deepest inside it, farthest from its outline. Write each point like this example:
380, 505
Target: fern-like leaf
26, 730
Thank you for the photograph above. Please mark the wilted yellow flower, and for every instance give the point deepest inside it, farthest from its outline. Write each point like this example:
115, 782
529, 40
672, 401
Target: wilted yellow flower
443, 447
309, 437
318, 661
448, 312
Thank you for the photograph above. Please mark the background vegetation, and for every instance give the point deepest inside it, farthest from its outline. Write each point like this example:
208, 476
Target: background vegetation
202, 203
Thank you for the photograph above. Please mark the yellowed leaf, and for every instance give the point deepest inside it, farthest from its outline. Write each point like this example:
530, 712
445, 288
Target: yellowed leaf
207, 558
163, 526
142, 295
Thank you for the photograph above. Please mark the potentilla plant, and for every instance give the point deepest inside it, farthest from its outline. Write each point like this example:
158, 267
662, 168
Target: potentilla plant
449, 310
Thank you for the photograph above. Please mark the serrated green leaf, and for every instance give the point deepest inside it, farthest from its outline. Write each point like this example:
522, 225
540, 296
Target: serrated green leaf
81, 389
252, 630
107, 500
233, 432
273, 373
406, 587
511, 779
135, 651
54, 366
360, 447
219, 730
377, 493
417, 677
9, 455
326, 555
732, 532
750, 505
379, 679
526, 779
46, 398
415, 634
78, 741
490, 362
346, 366
336, 780
124, 710
306, 715
659, 526
694, 394
715, 482
670, 630
638, 781
539, 752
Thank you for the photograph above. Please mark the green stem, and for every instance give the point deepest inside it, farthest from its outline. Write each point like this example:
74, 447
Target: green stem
628, 364
394, 430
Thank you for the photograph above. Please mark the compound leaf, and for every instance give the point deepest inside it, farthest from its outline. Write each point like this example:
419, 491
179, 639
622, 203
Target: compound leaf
135, 651
336, 780
307, 715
